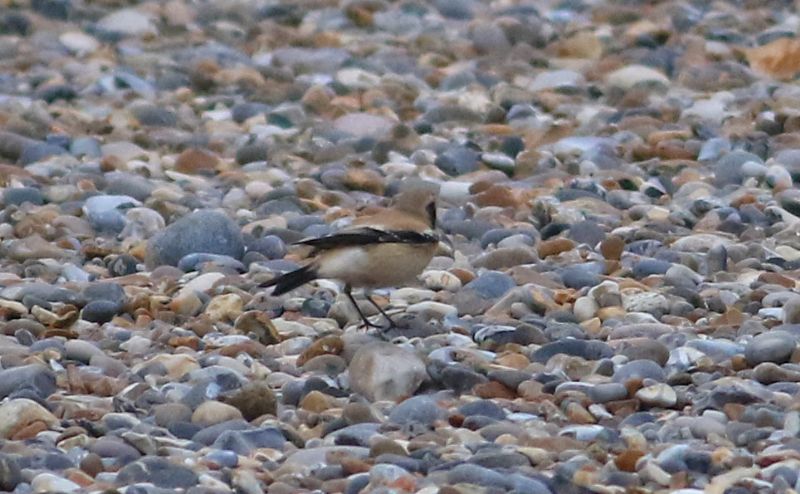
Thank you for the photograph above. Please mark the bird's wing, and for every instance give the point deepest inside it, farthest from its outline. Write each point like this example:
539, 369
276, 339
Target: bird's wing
369, 236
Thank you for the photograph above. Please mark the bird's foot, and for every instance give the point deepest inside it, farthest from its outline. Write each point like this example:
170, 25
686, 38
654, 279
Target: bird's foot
385, 332
370, 325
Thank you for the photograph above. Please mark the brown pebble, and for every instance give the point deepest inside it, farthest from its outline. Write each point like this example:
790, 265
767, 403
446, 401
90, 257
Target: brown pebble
494, 389
254, 400
497, 195
513, 360
29, 431
673, 149
331, 345
555, 246
192, 342
626, 461
317, 98
351, 466
359, 413
778, 58
364, 179
258, 323
776, 279
633, 385
456, 420
734, 411
738, 362
196, 161
463, 275
721, 456
613, 312
316, 402
612, 247
579, 415
530, 389
623, 408
386, 446
79, 477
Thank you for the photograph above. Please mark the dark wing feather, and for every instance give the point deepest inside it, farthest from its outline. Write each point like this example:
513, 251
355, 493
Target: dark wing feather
368, 236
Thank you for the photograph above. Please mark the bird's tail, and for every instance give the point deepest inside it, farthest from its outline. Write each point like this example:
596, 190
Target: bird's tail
292, 280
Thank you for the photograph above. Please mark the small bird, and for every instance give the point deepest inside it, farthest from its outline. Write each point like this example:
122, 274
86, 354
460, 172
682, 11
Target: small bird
388, 248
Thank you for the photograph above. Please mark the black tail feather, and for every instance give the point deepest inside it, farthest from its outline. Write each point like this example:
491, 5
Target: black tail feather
290, 281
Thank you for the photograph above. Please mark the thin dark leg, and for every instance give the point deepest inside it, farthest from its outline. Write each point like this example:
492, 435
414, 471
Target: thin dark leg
384, 314
348, 292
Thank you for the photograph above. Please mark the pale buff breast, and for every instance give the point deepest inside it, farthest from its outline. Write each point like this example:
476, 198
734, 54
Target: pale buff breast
383, 265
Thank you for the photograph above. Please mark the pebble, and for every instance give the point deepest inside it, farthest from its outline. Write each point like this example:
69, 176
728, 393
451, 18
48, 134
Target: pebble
457, 160
632, 76
213, 412
127, 22
421, 410
100, 311
658, 395
35, 378
159, 472
639, 369
10, 473
48, 482
21, 195
603, 393
79, 43
22, 412
773, 346
612, 307
382, 371
208, 232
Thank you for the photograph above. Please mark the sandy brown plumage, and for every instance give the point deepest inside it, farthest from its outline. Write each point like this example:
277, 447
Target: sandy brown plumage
390, 247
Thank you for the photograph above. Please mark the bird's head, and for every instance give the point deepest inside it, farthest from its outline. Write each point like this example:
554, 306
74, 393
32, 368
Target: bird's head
420, 203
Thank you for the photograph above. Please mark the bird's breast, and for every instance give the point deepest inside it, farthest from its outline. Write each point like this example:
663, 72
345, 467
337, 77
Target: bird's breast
379, 265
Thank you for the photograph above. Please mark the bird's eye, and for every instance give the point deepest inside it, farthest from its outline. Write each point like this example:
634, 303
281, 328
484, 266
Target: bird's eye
431, 209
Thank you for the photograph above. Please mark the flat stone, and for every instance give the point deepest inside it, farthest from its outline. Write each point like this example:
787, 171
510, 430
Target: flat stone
215, 412
418, 409
658, 395
774, 346
381, 371
639, 369
34, 377
635, 75
158, 471
21, 412
199, 232
127, 22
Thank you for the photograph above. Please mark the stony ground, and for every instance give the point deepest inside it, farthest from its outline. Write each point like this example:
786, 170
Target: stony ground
616, 309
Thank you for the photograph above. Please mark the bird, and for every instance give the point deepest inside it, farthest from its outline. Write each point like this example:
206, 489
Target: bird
388, 248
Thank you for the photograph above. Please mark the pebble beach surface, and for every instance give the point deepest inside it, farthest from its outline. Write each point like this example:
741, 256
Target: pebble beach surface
615, 309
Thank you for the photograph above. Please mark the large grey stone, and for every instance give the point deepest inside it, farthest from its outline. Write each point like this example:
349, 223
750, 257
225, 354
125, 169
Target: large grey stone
204, 231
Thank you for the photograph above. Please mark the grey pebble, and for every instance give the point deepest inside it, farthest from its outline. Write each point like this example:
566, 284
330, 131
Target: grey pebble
774, 346
33, 377
158, 471
199, 232
418, 409
639, 369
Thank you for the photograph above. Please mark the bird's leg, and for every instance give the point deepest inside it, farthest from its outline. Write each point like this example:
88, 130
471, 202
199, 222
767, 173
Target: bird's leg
349, 293
392, 324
